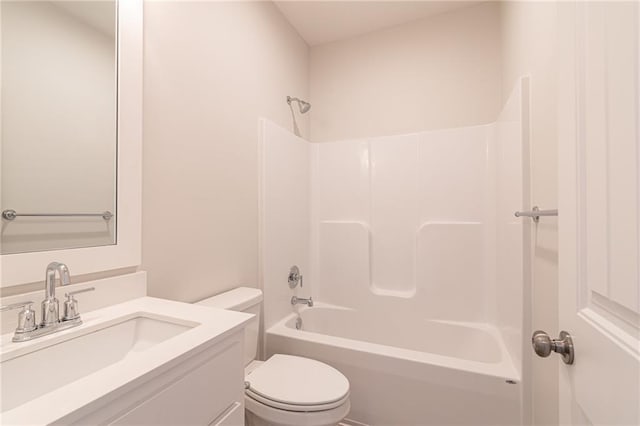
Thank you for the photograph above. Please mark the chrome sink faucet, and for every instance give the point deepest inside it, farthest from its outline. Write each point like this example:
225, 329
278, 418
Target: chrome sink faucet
301, 301
51, 321
50, 305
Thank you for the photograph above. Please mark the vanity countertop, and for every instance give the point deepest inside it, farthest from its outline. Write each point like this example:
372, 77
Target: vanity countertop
203, 328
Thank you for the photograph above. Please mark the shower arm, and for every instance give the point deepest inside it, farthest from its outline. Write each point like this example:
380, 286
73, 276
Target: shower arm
304, 106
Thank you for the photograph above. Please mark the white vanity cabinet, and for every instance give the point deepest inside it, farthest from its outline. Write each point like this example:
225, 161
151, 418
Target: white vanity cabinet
146, 361
205, 388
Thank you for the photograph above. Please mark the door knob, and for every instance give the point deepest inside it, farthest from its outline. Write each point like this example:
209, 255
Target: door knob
543, 345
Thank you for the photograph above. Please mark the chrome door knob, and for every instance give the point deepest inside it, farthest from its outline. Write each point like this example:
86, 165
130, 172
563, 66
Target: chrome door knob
543, 345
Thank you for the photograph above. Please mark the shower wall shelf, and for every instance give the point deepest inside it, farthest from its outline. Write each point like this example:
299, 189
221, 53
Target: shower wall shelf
535, 213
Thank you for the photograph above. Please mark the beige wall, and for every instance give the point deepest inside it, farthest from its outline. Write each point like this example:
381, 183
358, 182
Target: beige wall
211, 69
528, 47
438, 72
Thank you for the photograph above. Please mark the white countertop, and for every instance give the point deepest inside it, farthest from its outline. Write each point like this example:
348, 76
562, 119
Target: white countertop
211, 326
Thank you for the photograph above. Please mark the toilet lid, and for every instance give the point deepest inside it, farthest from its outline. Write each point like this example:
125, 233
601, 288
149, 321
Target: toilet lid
293, 380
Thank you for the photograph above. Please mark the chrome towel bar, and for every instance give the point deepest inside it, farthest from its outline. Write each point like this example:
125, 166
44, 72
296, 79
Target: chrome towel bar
12, 214
535, 213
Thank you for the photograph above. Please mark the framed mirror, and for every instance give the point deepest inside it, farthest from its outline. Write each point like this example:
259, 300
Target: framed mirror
59, 139
71, 136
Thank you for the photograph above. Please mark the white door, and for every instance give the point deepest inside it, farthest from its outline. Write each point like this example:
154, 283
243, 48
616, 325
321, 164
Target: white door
599, 199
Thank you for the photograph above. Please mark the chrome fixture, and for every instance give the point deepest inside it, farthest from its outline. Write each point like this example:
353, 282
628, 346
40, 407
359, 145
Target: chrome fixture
535, 213
294, 277
300, 301
299, 323
12, 214
26, 317
71, 304
304, 106
543, 345
50, 305
50, 322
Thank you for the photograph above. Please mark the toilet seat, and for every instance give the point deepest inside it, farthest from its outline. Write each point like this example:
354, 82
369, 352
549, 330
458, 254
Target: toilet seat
297, 384
295, 407
266, 415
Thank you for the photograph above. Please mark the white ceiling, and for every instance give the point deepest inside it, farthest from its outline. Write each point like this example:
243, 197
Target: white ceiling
321, 22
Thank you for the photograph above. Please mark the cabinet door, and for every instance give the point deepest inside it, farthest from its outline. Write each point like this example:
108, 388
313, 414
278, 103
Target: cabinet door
232, 416
209, 389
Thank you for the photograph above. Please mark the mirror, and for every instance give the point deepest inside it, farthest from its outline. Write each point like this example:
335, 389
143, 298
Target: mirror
59, 126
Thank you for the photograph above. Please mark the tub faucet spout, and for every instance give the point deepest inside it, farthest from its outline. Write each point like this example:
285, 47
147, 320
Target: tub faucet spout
301, 301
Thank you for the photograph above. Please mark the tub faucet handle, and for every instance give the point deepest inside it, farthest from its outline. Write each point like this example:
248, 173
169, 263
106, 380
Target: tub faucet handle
295, 277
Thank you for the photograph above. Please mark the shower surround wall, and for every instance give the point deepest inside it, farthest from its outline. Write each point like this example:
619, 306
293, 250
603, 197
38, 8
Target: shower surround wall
404, 221
284, 225
417, 227
421, 222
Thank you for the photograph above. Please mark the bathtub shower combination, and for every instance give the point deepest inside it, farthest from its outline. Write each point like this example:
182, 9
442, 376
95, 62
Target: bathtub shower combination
414, 259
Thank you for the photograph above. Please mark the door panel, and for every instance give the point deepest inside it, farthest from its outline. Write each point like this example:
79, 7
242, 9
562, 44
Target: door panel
599, 92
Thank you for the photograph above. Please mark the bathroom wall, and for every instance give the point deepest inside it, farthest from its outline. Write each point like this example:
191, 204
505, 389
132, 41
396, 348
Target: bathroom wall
211, 69
58, 101
529, 47
440, 72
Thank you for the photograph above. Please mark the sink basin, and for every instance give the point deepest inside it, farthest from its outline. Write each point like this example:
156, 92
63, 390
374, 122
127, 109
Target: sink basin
79, 354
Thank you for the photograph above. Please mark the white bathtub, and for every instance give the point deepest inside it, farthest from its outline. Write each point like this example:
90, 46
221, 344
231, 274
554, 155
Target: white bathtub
408, 371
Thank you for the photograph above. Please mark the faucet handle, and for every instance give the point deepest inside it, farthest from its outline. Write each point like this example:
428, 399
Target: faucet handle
295, 277
26, 317
16, 305
71, 304
70, 294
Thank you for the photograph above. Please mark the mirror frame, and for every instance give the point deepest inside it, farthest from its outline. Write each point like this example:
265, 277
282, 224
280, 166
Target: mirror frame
24, 268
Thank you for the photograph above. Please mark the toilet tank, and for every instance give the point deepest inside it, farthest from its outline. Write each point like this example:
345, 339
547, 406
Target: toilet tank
242, 299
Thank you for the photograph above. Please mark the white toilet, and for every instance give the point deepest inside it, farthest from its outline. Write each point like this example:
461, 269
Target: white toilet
284, 390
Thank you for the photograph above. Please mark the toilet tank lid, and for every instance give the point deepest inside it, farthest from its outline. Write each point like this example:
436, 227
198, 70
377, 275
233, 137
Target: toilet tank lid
237, 299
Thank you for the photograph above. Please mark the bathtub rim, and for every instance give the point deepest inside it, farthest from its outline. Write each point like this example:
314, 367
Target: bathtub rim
504, 370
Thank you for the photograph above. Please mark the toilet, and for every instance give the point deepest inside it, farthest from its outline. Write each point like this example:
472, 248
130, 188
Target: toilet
284, 390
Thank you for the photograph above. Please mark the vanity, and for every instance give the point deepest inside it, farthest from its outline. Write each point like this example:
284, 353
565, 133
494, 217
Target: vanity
146, 361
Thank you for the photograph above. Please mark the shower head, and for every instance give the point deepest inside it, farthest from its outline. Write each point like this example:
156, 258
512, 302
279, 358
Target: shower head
304, 106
